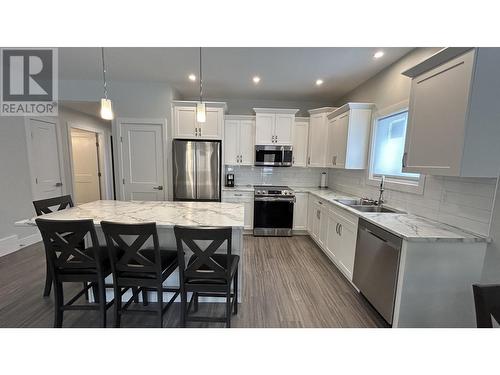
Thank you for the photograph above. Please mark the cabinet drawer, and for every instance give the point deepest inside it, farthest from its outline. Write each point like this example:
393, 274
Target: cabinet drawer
244, 195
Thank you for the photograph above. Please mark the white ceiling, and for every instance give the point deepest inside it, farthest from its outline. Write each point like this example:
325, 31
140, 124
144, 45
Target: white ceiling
286, 73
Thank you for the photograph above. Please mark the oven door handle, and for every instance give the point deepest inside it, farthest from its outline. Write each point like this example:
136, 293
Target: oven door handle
274, 199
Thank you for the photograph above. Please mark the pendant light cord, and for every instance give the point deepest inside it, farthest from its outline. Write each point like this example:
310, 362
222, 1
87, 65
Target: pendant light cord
201, 81
104, 74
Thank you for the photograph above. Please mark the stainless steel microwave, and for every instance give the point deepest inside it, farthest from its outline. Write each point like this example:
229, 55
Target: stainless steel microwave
273, 156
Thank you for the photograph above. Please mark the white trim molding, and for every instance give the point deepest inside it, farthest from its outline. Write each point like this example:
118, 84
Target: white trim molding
391, 183
13, 243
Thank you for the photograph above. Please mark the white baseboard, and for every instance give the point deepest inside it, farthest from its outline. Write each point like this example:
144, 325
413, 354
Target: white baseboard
30, 240
13, 243
9, 245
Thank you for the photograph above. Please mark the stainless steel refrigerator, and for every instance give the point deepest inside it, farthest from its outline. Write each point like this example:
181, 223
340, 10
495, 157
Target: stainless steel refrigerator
196, 170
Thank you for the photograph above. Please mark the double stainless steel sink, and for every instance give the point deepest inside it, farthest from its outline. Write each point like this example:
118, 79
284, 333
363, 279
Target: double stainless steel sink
364, 205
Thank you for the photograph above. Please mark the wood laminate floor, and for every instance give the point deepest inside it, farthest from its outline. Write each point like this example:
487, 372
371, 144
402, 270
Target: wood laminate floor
289, 282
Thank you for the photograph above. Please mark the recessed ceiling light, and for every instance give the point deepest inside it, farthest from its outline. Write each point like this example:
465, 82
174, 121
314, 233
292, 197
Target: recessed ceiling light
319, 82
256, 79
378, 54
192, 77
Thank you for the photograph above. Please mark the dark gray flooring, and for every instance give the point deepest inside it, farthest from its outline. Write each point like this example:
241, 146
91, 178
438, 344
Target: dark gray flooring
289, 282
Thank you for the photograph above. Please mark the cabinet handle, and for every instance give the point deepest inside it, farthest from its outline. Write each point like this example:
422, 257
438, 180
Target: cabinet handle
309, 160
200, 131
238, 195
293, 159
337, 228
195, 132
403, 162
335, 160
340, 229
241, 158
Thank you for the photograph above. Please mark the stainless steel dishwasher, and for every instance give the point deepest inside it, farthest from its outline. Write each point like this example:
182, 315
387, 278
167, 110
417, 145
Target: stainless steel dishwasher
376, 266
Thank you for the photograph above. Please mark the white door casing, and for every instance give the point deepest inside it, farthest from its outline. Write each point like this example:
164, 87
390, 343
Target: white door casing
142, 159
85, 166
44, 158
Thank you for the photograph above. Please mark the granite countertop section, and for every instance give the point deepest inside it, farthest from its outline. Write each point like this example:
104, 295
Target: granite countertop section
166, 214
407, 226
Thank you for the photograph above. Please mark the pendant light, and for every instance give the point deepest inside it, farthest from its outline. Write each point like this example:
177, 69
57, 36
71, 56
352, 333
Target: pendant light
106, 105
201, 112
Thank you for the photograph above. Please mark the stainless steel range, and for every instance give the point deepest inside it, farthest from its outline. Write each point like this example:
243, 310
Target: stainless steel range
273, 210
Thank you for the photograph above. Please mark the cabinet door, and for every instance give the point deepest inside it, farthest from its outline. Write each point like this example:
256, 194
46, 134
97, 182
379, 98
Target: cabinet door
437, 118
300, 137
185, 122
330, 143
340, 130
300, 216
212, 128
344, 254
332, 237
317, 141
311, 213
248, 219
231, 142
264, 128
246, 141
316, 221
323, 226
283, 129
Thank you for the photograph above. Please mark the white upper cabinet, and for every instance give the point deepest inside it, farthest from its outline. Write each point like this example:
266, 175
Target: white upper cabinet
186, 126
348, 136
454, 117
274, 126
300, 138
239, 142
318, 134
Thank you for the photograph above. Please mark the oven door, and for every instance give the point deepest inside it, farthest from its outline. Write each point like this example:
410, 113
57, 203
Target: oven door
273, 216
274, 156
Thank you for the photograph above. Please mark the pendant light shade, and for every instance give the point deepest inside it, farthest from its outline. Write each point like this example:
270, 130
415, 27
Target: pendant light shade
201, 111
106, 104
106, 109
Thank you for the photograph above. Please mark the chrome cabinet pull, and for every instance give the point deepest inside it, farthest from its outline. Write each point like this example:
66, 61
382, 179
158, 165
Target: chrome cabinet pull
340, 229
158, 187
58, 184
309, 160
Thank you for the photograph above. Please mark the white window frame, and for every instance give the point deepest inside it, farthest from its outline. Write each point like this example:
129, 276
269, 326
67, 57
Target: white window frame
409, 185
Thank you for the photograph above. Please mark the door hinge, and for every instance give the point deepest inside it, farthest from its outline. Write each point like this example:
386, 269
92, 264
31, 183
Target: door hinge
123, 180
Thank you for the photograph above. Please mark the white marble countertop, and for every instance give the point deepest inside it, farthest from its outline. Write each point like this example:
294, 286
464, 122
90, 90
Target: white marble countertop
166, 214
407, 226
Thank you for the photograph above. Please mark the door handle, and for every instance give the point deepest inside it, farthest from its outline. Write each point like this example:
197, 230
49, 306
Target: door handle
158, 187
58, 184
318, 214
335, 160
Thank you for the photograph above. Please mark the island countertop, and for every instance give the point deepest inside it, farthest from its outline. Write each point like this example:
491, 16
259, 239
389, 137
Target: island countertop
166, 214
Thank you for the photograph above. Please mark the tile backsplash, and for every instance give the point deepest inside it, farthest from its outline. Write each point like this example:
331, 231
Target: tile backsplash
462, 202
291, 176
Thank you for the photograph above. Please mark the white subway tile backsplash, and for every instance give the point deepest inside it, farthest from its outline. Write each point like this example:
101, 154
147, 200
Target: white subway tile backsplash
303, 177
462, 202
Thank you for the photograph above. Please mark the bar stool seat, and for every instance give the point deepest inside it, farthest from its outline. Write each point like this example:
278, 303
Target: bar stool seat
167, 257
222, 260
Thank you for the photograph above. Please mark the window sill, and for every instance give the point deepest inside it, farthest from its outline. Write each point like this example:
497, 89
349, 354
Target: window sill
406, 186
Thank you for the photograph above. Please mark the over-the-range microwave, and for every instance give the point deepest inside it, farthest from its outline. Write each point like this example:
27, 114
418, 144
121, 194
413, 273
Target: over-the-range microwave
273, 156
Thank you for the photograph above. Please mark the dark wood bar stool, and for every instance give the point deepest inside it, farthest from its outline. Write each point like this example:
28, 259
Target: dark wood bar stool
206, 273
67, 263
47, 206
487, 303
145, 269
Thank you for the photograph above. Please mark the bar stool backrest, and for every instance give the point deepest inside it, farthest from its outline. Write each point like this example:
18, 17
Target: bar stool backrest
43, 206
61, 239
204, 266
487, 303
131, 261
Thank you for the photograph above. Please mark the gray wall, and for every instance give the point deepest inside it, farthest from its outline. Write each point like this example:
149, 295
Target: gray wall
15, 186
389, 86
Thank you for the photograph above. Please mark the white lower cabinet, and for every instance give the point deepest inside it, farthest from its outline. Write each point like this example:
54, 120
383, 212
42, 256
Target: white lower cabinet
335, 231
300, 211
245, 198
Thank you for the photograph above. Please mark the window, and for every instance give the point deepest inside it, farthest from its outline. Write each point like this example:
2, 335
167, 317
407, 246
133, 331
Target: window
388, 142
390, 133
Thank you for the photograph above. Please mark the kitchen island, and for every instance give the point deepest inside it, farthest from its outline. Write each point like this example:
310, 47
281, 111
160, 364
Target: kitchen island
166, 214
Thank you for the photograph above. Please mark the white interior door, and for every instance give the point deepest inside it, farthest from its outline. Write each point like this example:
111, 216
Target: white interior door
142, 156
85, 162
44, 155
